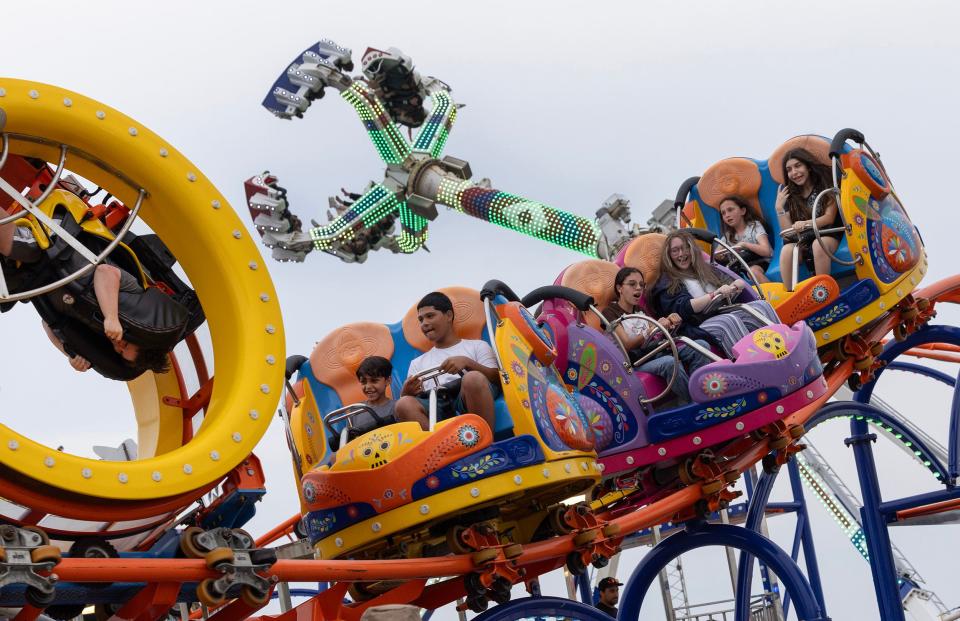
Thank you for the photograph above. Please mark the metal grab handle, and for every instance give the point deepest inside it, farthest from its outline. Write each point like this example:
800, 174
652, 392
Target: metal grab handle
703, 351
611, 328
433, 373
94, 259
816, 230
346, 413
288, 433
746, 307
650, 355
432, 401
795, 261
4, 144
488, 317
719, 241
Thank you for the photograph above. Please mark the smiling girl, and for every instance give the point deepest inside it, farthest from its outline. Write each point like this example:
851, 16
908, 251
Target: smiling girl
805, 179
747, 236
695, 289
636, 334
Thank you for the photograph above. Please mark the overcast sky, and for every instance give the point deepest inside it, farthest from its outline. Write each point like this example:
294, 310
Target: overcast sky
566, 104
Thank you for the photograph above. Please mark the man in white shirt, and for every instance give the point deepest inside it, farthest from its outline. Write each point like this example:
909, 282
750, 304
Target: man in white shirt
479, 385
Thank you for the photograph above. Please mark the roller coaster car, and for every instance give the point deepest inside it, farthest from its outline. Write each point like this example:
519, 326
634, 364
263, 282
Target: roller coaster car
166, 313
776, 372
879, 262
397, 490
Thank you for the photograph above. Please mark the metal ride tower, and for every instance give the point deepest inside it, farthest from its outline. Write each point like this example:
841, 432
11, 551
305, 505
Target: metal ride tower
417, 177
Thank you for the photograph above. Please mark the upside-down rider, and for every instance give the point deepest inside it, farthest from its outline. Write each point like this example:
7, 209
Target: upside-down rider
105, 320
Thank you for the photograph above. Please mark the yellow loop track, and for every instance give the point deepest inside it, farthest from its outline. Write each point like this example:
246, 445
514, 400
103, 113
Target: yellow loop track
222, 263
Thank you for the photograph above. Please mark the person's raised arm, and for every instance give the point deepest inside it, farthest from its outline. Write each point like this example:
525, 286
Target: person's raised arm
54, 338
783, 215
77, 362
106, 286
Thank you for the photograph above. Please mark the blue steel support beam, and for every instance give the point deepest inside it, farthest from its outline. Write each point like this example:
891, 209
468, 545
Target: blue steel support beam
759, 498
806, 535
783, 507
794, 554
926, 334
750, 480
707, 535
953, 441
843, 409
919, 369
583, 584
882, 565
890, 508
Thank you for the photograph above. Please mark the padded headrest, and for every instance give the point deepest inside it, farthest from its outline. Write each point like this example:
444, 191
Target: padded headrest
593, 277
818, 146
644, 253
468, 318
735, 176
335, 359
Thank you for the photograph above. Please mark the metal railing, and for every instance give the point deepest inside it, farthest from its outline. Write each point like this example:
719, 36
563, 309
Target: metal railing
763, 607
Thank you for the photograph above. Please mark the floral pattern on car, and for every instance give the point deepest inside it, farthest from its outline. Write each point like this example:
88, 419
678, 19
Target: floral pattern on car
478, 468
722, 412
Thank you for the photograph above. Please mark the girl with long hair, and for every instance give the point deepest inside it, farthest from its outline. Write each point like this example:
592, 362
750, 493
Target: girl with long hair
636, 334
747, 236
804, 179
695, 290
